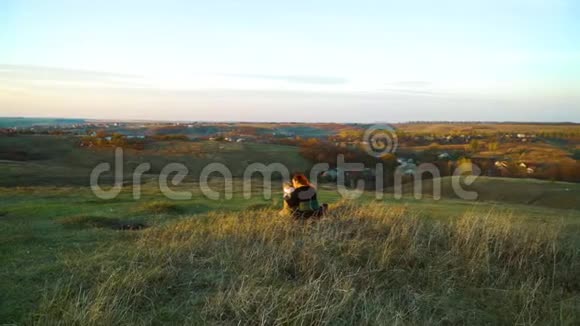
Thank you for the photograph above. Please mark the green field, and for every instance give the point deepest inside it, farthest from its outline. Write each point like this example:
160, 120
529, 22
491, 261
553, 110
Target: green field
32, 122
59, 160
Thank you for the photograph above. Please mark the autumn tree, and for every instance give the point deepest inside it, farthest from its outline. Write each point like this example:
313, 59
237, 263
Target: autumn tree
474, 145
493, 146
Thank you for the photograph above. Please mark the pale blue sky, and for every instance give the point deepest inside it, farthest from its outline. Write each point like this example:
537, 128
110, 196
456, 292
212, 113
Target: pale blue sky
298, 61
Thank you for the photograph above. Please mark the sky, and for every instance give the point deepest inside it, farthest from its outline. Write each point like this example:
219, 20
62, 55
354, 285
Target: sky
330, 61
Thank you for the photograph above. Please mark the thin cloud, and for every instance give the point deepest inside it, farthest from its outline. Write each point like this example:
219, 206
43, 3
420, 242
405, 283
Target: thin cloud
411, 83
301, 79
57, 73
25, 75
411, 91
412, 87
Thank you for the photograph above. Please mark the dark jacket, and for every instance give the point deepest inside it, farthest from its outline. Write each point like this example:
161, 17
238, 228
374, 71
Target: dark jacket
303, 202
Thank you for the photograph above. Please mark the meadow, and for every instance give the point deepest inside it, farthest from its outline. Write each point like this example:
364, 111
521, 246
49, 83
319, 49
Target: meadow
70, 258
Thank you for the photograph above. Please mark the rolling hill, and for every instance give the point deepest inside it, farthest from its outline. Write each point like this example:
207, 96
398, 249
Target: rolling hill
508, 190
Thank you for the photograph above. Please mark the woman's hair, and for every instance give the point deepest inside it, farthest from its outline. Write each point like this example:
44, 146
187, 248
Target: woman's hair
301, 179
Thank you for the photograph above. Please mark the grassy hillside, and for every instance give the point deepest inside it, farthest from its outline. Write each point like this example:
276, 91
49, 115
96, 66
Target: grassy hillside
71, 258
533, 192
58, 160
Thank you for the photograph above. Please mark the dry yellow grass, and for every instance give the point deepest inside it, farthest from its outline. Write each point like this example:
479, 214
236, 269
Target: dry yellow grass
371, 265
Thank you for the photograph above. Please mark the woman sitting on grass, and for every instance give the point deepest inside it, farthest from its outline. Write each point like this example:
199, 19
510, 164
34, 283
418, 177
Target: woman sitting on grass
300, 199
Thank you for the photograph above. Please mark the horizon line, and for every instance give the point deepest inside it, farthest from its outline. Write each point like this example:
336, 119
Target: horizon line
293, 122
